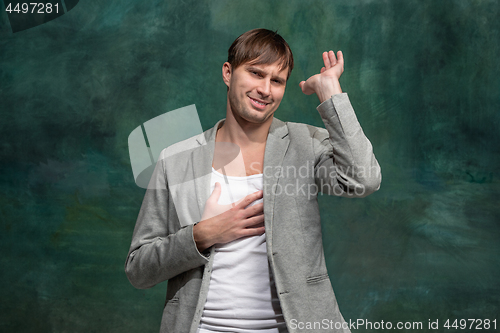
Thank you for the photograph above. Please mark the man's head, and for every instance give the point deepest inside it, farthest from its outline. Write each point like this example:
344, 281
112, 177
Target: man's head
261, 46
258, 67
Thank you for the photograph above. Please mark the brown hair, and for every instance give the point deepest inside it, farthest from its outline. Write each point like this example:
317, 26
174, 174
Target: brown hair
260, 46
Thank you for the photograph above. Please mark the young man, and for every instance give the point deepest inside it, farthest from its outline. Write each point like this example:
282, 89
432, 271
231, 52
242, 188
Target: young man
231, 217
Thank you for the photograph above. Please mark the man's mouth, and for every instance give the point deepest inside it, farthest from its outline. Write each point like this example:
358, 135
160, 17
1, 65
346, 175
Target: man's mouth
258, 103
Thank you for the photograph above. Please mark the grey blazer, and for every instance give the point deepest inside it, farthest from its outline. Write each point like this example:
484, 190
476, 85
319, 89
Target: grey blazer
299, 160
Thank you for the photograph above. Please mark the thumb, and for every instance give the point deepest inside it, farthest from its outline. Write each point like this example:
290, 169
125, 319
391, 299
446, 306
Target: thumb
301, 85
216, 193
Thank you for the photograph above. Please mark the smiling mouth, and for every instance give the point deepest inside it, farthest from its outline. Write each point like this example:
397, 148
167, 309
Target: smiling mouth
258, 103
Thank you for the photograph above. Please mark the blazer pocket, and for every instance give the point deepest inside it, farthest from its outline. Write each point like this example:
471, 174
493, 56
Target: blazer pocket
317, 278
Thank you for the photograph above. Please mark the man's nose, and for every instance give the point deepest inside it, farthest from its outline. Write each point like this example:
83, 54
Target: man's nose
265, 87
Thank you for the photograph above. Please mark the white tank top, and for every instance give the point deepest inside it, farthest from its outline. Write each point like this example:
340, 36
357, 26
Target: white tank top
241, 295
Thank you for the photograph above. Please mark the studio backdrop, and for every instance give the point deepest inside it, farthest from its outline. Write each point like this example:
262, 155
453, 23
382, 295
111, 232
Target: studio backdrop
423, 77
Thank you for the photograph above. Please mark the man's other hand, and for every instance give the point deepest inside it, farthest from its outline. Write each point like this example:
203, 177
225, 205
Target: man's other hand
326, 83
222, 224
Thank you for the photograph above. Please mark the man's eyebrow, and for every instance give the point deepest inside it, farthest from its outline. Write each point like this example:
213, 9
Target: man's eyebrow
261, 71
256, 69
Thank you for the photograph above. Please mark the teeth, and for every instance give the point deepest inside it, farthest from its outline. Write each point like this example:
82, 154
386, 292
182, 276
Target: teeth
258, 102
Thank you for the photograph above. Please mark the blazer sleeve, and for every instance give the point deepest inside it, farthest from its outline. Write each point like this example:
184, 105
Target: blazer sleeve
160, 248
344, 161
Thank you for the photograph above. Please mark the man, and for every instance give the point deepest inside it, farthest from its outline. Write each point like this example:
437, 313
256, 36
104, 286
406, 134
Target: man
231, 217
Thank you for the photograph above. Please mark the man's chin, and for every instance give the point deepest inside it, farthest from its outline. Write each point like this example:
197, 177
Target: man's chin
258, 118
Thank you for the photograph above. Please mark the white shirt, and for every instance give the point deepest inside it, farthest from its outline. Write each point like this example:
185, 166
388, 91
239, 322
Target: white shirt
242, 295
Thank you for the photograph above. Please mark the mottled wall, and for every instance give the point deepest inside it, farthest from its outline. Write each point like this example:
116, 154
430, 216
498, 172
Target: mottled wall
424, 79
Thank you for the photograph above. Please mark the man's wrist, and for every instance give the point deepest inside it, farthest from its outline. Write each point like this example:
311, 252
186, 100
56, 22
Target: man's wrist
327, 88
200, 237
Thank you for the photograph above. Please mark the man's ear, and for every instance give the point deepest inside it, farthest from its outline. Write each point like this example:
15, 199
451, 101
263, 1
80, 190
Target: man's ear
226, 73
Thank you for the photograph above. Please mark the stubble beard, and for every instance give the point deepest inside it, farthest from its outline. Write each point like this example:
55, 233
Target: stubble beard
241, 110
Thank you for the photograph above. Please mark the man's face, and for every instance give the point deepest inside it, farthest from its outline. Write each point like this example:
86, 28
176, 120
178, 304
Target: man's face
254, 91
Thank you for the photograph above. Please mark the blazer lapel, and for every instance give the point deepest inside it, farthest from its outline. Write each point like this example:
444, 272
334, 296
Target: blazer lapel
201, 160
276, 147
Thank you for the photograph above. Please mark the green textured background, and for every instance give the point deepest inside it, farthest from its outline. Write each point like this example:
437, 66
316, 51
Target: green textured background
424, 79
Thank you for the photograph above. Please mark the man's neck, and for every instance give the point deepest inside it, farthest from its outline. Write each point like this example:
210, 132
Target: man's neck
250, 138
243, 133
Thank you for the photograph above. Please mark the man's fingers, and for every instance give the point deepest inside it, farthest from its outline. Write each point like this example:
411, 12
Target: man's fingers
301, 84
256, 221
248, 232
331, 56
254, 210
305, 86
254, 196
326, 60
322, 69
331, 60
340, 58
249, 199
259, 225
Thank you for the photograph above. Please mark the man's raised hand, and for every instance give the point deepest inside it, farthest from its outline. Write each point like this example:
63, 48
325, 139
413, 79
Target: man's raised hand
326, 83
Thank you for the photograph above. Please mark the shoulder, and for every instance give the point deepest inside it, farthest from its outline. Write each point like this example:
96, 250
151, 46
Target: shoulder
189, 144
301, 131
181, 146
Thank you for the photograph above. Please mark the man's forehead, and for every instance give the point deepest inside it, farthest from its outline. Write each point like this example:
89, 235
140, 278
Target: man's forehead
275, 68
